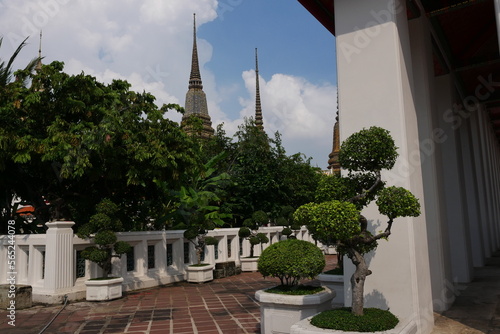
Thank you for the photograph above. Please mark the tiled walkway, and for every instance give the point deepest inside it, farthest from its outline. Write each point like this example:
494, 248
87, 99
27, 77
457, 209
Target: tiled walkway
227, 306
222, 306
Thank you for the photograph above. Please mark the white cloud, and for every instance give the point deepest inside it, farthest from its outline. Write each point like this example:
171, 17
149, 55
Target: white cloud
301, 111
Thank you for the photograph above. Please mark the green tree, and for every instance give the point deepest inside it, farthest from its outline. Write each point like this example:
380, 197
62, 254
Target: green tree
199, 206
6, 70
69, 141
337, 220
265, 178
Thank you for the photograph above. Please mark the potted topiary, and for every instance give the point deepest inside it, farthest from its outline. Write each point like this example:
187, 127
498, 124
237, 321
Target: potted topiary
101, 228
249, 231
339, 221
291, 261
290, 227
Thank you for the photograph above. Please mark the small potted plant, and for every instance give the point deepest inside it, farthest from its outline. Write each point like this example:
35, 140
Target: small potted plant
338, 221
102, 228
291, 261
249, 232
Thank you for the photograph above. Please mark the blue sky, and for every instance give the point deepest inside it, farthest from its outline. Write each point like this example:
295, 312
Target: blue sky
148, 43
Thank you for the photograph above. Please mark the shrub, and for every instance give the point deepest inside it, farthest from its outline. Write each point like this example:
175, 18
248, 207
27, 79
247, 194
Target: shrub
291, 260
342, 319
102, 227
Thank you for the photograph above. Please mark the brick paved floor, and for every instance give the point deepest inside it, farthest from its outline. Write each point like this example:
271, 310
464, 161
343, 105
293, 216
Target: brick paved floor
227, 306
223, 306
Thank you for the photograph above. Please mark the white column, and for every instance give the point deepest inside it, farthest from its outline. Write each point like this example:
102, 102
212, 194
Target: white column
456, 206
375, 88
59, 265
431, 138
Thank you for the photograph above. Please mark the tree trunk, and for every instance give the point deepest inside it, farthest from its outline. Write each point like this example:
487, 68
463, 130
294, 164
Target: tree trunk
358, 281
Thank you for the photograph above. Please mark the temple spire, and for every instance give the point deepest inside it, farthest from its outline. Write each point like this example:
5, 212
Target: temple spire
38, 65
333, 161
195, 77
258, 108
196, 100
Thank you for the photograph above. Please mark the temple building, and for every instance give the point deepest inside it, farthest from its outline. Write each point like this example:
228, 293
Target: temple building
428, 71
196, 100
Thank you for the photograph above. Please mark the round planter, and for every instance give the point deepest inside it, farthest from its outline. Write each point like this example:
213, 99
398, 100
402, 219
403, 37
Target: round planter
336, 283
200, 274
279, 312
304, 327
104, 289
249, 263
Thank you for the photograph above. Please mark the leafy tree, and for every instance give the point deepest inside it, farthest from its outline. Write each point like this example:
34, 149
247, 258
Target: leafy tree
101, 228
69, 141
265, 178
199, 207
338, 220
6, 71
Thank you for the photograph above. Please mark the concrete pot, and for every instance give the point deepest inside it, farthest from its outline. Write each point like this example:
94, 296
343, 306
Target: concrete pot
279, 312
200, 274
104, 289
249, 263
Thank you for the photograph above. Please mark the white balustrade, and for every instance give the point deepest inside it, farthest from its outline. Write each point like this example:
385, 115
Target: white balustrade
51, 263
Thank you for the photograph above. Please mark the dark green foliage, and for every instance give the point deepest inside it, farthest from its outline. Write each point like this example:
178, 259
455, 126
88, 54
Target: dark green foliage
291, 260
211, 241
249, 230
398, 202
259, 238
368, 150
74, 141
342, 319
260, 218
295, 290
265, 178
102, 227
287, 231
244, 232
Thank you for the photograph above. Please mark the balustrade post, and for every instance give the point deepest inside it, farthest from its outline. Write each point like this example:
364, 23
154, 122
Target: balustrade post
59, 263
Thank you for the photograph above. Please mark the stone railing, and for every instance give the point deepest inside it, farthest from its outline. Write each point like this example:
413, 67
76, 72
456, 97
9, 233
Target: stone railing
52, 265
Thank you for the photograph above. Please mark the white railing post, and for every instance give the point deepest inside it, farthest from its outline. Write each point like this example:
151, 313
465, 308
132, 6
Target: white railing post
59, 266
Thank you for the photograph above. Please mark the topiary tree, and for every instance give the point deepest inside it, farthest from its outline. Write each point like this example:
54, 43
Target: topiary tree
249, 230
291, 260
337, 220
286, 220
102, 227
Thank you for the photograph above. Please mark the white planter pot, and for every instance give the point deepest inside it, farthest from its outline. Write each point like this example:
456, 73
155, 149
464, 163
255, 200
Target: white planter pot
200, 274
279, 312
336, 283
304, 327
249, 263
104, 289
